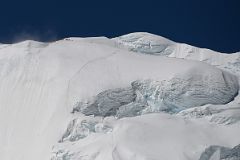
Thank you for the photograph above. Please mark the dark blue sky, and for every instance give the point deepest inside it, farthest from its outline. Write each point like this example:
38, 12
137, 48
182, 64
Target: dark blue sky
213, 24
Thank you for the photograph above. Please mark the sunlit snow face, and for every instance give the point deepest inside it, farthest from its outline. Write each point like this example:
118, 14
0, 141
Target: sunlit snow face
145, 43
41, 82
148, 96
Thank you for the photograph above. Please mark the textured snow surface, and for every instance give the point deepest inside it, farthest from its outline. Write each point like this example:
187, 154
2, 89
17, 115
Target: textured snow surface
151, 136
145, 43
79, 129
196, 87
136, 41
49, 93
222, 153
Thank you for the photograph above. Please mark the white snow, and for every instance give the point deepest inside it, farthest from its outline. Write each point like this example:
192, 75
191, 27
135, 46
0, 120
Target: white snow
136, 41
145, 43
153, 136
41, 83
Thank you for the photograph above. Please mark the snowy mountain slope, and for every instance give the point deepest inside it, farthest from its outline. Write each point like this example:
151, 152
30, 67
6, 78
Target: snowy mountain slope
147, 43
228, 62
45, 89
151, 136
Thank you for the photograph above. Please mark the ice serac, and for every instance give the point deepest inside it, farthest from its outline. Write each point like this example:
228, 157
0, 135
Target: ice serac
221, 153
194, 87
79, 129
108, 102
227, 114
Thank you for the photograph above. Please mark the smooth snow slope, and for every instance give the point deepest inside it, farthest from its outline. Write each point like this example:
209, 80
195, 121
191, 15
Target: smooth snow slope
40, 84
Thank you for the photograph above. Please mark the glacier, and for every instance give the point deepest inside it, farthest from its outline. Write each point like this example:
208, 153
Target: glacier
194, 88
137, 96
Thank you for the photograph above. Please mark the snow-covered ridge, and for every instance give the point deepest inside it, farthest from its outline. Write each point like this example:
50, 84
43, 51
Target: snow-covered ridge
152, 44
145, 43
41, 83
